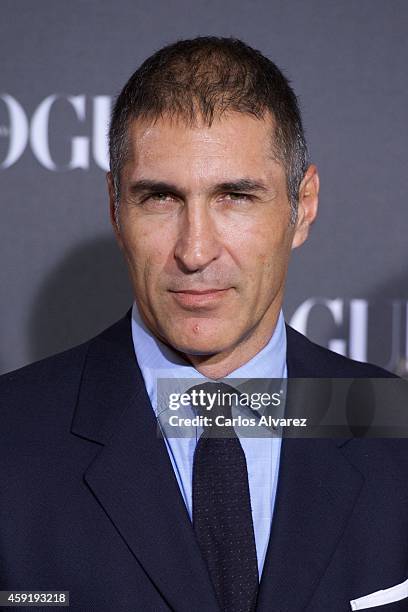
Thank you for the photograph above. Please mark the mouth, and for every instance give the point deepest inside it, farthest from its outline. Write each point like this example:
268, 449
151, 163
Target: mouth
193, 298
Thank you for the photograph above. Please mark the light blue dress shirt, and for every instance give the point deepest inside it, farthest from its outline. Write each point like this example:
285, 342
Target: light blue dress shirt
156, 360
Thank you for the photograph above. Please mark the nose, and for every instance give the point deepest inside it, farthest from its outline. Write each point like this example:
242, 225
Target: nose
198, 242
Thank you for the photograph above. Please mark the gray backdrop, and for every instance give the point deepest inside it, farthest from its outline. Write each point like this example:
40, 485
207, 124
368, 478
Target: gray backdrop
62, 278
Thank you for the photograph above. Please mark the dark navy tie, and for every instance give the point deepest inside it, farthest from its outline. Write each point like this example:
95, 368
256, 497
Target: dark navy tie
222, 517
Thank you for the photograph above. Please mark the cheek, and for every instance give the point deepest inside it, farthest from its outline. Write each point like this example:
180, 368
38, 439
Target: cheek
262, 250
145, 253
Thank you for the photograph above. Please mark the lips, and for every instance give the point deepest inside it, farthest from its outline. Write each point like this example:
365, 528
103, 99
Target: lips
198, 292
194, 298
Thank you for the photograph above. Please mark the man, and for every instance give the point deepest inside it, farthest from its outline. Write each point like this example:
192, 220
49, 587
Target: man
210, 189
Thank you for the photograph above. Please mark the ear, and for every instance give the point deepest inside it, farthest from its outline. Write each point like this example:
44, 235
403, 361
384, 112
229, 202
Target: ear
307, 206
112, 207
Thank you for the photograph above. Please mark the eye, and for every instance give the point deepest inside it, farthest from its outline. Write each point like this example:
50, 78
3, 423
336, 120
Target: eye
159, 201
238, 196
161, 197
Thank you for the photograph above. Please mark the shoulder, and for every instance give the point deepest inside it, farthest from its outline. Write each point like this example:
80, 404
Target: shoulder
307, 359
52, 371
51, 385
59, 371
48, 384
37, 402
38, 399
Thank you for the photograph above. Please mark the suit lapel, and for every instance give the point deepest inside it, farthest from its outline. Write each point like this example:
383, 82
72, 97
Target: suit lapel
317, 490
132, 476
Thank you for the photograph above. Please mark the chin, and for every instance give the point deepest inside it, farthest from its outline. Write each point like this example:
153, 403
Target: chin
195, 347
200, 342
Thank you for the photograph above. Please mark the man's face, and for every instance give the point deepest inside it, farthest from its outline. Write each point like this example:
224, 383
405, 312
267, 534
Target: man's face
204, 221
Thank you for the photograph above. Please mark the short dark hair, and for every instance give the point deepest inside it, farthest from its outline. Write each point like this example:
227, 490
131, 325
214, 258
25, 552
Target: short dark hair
205, 77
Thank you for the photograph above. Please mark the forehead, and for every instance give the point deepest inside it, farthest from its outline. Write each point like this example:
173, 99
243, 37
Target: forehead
235, 142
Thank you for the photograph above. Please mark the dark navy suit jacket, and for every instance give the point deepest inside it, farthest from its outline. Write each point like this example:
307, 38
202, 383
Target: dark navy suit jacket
89, 502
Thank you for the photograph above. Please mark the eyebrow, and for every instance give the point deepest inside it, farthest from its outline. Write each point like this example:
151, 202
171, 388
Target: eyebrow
243, 184
144, 185
238, 185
